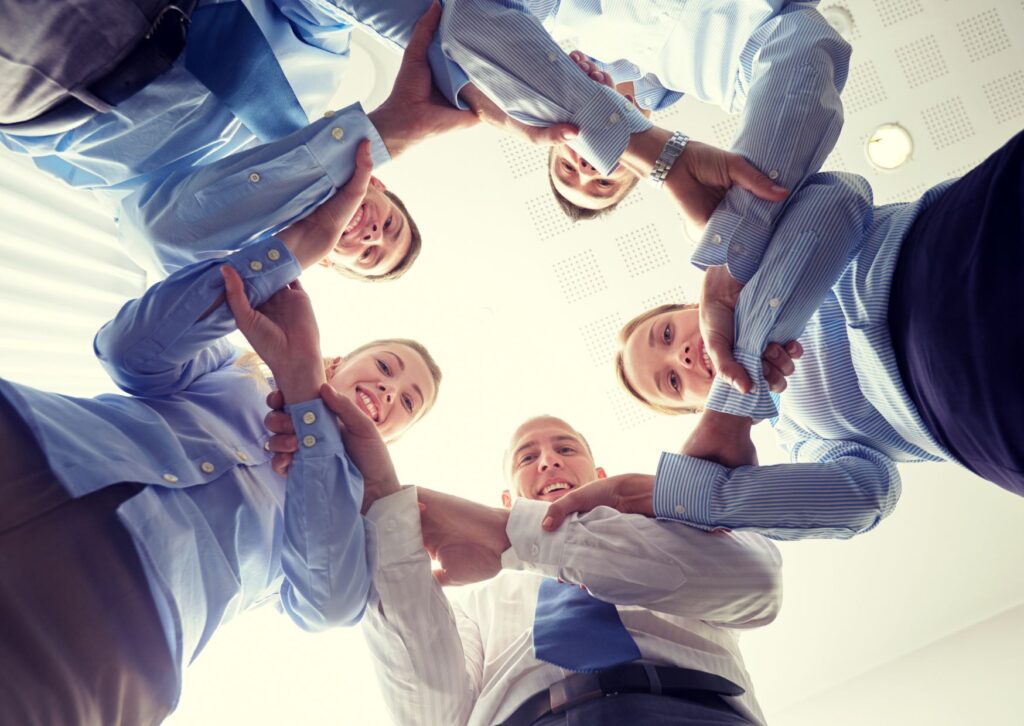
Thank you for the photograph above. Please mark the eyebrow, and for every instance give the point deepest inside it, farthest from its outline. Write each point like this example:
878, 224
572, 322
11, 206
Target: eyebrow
527, 445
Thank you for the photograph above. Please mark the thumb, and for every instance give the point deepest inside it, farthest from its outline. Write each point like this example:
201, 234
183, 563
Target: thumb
719, 350
736, 375
423, 33
234, 292
559, 510
551, 135
745, 175
343, 205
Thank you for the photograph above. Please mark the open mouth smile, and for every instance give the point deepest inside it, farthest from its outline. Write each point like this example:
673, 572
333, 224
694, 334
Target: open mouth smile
368, 403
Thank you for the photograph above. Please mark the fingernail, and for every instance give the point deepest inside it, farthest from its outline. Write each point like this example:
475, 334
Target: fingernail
778, 190
630, 98
568, 135
546, 524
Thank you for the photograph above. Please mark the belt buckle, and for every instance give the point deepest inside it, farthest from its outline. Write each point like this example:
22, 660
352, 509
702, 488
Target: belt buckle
576, 689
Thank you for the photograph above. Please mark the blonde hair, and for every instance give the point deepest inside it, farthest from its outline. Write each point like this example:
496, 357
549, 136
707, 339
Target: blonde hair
620, 366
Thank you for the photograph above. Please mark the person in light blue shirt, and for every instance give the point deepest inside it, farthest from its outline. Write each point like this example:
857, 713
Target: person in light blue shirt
154, 158
910, 353
133, 526
777, 63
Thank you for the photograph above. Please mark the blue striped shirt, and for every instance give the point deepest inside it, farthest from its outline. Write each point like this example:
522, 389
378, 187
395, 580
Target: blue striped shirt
845, 418
776, 62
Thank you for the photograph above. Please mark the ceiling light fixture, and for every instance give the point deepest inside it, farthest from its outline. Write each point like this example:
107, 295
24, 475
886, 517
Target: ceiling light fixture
890, 146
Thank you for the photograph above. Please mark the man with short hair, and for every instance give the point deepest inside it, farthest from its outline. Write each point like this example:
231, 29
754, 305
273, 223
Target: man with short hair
650, 608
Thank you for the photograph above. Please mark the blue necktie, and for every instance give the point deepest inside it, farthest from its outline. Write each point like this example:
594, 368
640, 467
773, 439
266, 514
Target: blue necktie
228, 53
575, 630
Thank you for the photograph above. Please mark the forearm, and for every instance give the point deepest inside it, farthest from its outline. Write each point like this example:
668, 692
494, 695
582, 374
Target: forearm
790, 123
227, 204
810, 248
837, 489
509, 55
324, 556
629, 559
410, 627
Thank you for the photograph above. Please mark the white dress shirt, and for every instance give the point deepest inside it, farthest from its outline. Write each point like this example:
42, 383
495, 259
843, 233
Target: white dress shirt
680, 593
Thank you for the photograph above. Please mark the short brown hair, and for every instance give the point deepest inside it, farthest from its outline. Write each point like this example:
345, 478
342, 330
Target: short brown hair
620, 367
575, 212
403, 265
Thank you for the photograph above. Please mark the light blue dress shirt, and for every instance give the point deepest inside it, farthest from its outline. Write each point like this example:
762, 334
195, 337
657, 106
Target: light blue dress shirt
217, 530
845, 418
777, 62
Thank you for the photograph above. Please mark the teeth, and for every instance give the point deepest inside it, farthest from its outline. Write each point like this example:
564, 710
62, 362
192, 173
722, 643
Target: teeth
707, 360
356, 220
556, 486
368, 402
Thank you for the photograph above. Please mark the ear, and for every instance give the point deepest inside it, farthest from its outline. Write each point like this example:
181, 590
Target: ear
333, 366
506, 499
601, 474
375, 182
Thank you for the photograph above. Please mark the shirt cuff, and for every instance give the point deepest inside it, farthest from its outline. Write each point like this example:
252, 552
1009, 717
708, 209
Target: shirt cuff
606, 122
683, 488
758, 404
265, 267
316, 429
533, 548
336, 139
396, 523
449, 78
730, 239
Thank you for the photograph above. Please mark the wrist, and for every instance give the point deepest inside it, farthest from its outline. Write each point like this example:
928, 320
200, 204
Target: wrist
643, 150
301, 382
393, 129
718, 423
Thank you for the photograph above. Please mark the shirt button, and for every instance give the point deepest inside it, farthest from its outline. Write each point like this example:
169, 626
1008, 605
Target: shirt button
716, 239
266, 445
273, 255
254, 177
337, 133
773, 174
309, 441
207, 467
328, 113
308, 417
552, 56
242, 456
680, 509
774, 302
390, 525
255, 265
614, 118
535, 550
170, 478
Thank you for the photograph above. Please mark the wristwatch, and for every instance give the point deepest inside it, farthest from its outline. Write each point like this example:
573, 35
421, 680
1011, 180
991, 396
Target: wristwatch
673, 148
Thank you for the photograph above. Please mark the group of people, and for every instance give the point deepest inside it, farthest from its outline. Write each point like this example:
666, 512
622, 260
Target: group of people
133, 526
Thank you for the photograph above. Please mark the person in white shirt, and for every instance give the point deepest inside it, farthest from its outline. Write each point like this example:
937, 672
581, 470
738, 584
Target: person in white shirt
680, 593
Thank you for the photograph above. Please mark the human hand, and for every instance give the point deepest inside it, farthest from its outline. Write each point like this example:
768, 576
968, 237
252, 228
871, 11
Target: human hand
313, 237
489, 112
718, 295
703, 174
723, 439
628, 493
284, 443
415, 110
283, 332
467, 538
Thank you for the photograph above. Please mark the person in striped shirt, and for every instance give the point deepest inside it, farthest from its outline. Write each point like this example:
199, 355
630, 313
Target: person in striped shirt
910, 353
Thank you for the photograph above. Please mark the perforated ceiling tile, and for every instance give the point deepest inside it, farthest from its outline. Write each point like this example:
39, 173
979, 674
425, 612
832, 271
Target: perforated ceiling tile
834, 162
580, 276
921, 61
675, 296
1005, 97
983, 35
548, 219
628, 411
962, 169
522, 159
635, 196
725, 131
947, 122
864, 89
893, 11
600, 338
642, 250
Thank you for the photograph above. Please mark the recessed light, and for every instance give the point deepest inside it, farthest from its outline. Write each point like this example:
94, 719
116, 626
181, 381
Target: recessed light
890, 146
839, 18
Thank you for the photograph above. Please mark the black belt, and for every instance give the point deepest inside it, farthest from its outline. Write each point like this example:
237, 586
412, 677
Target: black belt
695, 686
153, 55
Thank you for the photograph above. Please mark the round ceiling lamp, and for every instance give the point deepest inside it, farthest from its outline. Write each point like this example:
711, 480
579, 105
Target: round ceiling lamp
890, 146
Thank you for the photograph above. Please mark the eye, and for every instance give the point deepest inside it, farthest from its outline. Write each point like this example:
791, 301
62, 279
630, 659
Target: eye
666, 335
525, 459
566, 450
604, 183
673, 380
407, 402
387, 223
366, 254
567, 167
383, 367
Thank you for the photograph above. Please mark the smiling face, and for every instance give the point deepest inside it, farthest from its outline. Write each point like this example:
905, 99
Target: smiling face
664, 361
390, 383
581, 184
377, 238
549, 459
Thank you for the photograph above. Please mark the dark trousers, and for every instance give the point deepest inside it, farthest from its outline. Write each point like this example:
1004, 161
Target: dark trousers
81, 643
956, 314
643, 709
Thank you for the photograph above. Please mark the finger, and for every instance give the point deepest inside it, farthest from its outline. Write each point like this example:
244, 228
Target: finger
275, 399
777, 356
280, 463
776, 380
278, 422
745, 175
282, 444
576, 501
551, 135
234, 292
423, 33
794, 349
725, 365
352, 418
737, 376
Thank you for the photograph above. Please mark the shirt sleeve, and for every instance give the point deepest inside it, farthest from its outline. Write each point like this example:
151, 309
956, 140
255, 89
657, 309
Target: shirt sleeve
834, 489
324, 556
318, 23
509, 55
243, 197
160, 342
821, 230
727, 579
428, 655
789, 124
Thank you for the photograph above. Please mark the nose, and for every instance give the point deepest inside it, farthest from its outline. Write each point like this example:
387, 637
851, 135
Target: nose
387, 392
587, 169
688, 355
372, 233
550, 460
